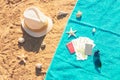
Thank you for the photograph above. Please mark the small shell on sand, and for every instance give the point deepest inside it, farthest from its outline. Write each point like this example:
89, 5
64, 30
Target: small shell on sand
38, 65
38, 68
43, 45
21, 40
79, 14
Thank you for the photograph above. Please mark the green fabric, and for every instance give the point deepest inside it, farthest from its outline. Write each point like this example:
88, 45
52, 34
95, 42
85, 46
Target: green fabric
104, 15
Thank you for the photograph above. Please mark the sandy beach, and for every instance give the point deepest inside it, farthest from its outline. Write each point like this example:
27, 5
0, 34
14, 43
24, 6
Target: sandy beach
11, 14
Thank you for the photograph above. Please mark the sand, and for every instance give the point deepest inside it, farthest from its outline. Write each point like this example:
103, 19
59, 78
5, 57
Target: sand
11, 13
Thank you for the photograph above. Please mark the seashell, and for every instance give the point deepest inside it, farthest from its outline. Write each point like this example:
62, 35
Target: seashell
38, 65
79, 14
93, 30
21, 40
43, 45
38, 69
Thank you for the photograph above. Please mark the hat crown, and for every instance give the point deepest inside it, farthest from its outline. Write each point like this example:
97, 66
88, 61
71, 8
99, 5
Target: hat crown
35, 23
34, 18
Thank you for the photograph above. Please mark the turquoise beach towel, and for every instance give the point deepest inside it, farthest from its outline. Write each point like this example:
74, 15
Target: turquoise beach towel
104, 15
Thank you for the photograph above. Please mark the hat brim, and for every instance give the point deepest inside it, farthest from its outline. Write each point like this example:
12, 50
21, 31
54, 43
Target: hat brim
41, 33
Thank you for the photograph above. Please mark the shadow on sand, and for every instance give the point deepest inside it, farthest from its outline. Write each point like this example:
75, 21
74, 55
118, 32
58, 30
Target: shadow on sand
31, 44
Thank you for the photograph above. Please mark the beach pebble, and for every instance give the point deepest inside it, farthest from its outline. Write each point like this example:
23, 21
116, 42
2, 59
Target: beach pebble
21, 40
61, 14
93, 30
79, 14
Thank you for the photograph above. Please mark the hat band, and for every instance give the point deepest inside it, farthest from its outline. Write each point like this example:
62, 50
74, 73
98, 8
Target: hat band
38, 30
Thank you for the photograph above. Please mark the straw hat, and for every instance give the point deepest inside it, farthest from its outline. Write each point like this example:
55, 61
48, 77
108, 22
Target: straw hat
35, 23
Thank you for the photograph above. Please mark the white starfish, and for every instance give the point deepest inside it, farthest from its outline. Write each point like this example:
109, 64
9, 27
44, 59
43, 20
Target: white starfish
22, 58
71, 32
